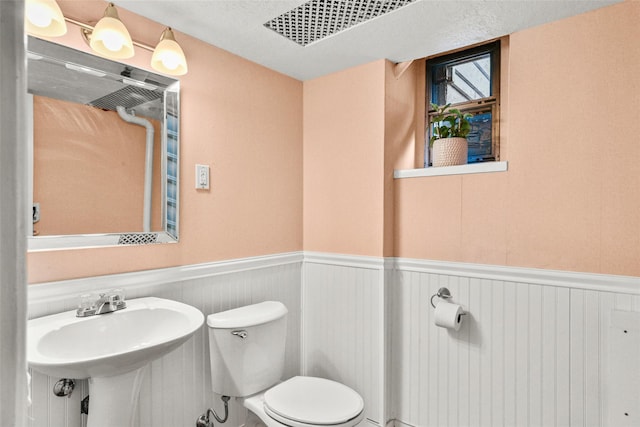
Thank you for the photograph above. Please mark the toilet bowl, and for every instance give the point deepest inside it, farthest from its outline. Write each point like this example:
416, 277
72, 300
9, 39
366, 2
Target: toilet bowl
247, 361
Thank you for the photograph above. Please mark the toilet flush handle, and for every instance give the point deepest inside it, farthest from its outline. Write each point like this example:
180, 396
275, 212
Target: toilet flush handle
241, 333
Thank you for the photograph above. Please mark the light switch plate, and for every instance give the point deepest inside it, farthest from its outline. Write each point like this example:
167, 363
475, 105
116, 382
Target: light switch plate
202, 177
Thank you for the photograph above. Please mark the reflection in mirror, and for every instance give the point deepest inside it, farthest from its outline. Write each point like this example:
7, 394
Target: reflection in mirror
104, 151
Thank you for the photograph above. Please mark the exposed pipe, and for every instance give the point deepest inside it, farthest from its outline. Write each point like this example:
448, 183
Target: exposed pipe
205, 421
148, 176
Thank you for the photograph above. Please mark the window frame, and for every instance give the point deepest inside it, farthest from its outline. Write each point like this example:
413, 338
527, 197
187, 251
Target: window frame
487, 104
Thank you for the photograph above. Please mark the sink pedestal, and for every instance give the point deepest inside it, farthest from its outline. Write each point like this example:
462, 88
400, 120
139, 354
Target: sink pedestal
113, 400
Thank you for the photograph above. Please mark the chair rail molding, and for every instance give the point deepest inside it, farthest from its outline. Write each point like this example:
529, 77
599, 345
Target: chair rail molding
565, 279
54, 291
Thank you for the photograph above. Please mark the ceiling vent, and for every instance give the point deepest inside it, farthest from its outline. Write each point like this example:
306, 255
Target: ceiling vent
317, 19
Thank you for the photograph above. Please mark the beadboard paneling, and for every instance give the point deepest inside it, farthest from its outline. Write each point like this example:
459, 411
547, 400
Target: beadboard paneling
343, 329
178, 387
532, 352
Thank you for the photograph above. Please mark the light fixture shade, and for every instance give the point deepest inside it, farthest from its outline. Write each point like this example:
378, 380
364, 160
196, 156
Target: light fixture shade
110, 37
44, 18
168, 57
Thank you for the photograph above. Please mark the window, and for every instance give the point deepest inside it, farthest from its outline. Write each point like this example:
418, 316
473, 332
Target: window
470, 81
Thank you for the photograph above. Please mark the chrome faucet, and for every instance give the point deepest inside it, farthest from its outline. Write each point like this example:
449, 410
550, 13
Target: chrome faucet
107, 302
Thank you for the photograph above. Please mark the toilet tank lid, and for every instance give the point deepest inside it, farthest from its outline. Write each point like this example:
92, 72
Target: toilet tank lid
249, 315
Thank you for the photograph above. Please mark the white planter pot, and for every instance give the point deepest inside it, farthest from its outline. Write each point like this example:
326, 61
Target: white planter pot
449, 152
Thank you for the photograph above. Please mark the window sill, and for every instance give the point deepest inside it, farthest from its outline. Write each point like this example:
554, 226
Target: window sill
452, 170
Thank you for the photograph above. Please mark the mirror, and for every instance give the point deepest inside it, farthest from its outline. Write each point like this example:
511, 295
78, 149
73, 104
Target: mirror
103, 151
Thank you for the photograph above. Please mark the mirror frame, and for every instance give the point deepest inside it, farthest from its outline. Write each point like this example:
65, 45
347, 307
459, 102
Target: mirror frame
170, 163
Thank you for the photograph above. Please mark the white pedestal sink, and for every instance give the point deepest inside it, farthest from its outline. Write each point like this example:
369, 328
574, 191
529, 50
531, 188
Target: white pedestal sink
112, 350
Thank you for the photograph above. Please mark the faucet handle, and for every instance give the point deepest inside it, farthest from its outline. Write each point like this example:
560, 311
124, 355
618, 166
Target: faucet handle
86, 305
117, 294
87, 301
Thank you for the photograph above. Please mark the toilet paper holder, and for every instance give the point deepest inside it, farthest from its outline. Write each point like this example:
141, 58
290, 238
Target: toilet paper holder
442, 293
447, 315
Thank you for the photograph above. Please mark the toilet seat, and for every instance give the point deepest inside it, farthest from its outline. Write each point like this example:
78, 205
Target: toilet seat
310, 401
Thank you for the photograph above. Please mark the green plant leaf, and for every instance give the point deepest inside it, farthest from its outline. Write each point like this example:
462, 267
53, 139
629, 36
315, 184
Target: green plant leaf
449, 122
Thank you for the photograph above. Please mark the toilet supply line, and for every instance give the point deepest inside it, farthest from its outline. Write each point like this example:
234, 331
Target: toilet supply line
205, 421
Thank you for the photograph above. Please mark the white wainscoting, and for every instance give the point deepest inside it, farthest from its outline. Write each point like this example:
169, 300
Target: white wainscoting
178, 388
344, 327
533, 350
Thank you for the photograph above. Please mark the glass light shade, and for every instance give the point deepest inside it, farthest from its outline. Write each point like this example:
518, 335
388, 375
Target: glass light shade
44, 18
168, 57
110, 37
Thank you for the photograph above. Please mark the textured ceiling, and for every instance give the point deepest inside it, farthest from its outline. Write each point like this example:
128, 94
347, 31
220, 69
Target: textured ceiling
419, 29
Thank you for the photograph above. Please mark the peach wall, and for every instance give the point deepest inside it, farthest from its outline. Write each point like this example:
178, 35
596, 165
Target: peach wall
567, 201
344, 161
89, 170
571, 197
403, 132
243, 120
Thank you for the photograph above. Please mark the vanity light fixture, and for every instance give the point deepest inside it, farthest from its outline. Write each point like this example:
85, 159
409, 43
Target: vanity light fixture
109, 37
168, 56
44, 18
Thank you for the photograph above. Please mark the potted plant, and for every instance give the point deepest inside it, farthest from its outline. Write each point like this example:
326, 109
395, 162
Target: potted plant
449, 139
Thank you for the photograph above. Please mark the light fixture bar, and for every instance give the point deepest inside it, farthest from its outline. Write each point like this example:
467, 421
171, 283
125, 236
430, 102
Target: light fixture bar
168, 57
86, 29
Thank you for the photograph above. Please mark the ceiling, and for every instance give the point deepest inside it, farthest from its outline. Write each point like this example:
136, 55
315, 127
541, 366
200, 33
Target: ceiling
419, 29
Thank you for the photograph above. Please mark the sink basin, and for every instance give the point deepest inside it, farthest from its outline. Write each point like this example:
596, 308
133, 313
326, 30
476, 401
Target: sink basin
67, 346
112, 350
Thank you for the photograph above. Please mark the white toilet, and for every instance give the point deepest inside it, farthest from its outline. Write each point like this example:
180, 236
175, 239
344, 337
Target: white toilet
247, 347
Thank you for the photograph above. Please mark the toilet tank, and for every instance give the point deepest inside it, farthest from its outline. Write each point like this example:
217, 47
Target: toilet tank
247, 348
